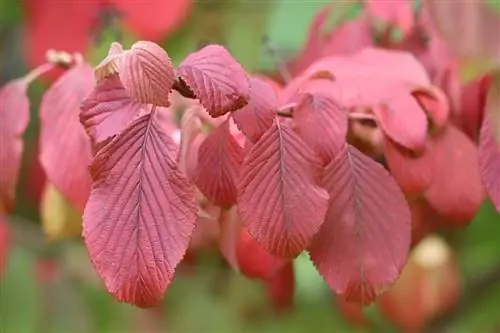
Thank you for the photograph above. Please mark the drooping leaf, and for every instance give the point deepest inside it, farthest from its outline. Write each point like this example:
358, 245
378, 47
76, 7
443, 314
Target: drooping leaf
414, 173
108, 109
153, 19
362, 247
147, 73
219, 162
397, 13
255, 262
489, 161
190, 130
217, 79
320, 119
140, 214
59, 217
279, 200
65, 148
14, 118
456, 191
230, 227
435, 104
4, 243
257, 116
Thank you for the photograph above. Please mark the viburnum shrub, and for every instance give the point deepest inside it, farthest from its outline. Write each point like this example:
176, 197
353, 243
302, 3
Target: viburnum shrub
373, 144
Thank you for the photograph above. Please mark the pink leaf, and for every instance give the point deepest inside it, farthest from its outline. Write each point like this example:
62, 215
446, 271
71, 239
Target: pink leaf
362, 247
435, 104
414, 173
398, 13
456, 191
403, 120
489, 162
279, 200
257, 116
62, 135
140, 215
321, 120
108, 109
14, 118
219, 161
217, 79
147, 73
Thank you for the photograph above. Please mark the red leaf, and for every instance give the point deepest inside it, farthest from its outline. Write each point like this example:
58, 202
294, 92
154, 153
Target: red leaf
219, 161
414, 173
279, 200
140, 215
349, 38
435, 103
153, 19
489, 161
217, 79
321, 121
62, 135
108, 109
457, 191
254, 261
257, 116
230, 227
4, 244
397, 13
281, 288
14, 118
364, 242
147, 73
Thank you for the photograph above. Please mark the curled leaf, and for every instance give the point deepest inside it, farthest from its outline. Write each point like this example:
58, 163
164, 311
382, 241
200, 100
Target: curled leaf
147, 73
140, 215
217, 79
362, 247
279, 200
14, 118
65, 148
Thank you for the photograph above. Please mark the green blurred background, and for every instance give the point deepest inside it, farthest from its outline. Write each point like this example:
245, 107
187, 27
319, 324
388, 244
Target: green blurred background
209, 298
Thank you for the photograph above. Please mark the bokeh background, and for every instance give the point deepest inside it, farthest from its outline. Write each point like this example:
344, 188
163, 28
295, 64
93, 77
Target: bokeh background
50, 286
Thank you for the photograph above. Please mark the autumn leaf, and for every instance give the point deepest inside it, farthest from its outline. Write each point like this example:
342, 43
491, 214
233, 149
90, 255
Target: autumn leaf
217, 79
280, 288
108, 109
140, 215
279, 200
362, 247
219, 161
65, 148
397, 13
320, 119
14, 118
257, 116
4, 243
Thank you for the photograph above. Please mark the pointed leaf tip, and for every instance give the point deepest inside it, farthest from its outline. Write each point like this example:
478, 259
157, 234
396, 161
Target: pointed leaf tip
363, 244
217, 79
279, 200
140, 215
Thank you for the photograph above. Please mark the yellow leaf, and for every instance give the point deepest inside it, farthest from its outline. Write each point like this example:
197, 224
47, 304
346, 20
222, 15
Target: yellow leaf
59, 218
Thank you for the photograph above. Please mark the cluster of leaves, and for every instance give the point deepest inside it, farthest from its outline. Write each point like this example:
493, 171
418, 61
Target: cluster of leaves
353, 160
